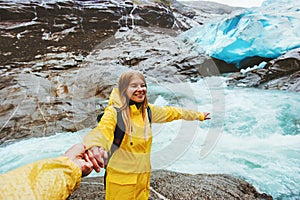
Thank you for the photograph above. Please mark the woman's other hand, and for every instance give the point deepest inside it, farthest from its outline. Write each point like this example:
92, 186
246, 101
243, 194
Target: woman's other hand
206, 115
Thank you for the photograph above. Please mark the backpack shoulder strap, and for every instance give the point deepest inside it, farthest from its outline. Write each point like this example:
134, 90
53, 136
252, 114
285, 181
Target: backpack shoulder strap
118, 137
149, 115
120, 129
99, 117
118, 133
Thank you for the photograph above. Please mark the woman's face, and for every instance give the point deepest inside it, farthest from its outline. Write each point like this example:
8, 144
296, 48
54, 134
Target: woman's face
137, 89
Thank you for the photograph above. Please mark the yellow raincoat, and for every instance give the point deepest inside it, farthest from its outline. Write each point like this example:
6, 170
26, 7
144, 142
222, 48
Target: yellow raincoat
128, 171
46, 179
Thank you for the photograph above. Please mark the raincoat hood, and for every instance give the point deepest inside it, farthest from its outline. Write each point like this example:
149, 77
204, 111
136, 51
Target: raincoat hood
114, 98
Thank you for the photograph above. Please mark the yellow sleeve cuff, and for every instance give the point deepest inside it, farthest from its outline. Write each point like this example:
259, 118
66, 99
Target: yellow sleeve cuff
201, 117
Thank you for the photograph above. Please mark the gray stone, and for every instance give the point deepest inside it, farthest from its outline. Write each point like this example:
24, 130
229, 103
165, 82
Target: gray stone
173, 185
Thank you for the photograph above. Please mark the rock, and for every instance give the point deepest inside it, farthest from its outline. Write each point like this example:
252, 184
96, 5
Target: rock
67, 91
38, 28
44, 52
289, 83
210, 7
173, 185
281, 73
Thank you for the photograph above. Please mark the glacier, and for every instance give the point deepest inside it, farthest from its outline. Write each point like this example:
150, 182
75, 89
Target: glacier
267, 31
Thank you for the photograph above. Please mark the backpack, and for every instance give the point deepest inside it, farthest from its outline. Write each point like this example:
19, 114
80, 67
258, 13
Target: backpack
120, 127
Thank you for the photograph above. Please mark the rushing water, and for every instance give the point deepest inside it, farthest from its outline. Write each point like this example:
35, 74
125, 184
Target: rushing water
253, 134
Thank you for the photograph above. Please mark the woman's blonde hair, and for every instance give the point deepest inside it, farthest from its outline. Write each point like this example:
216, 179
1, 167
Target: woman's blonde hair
123, 84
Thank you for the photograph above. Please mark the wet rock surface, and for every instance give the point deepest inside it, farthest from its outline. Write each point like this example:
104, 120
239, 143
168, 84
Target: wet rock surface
35, 28
173, 185
282, 73
64, 92
60, 59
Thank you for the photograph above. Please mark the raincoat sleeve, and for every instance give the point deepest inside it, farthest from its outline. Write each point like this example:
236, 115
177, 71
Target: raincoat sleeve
103, 134
168, 113
47, 179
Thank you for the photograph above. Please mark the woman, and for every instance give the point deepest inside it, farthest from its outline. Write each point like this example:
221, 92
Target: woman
128, 170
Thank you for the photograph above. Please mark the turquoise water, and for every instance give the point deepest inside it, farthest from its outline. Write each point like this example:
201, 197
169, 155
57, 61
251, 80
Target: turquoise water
254, 134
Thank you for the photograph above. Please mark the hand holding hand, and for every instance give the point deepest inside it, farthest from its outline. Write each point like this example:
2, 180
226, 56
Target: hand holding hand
98, 156
77, 154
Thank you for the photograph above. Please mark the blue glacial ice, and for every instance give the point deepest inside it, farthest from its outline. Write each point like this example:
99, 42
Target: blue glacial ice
267, 31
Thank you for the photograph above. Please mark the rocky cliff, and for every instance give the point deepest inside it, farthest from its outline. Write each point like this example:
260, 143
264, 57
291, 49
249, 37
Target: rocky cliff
60, 59
51, 50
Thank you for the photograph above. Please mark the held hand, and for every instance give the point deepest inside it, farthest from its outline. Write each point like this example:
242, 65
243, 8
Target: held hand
98, 156
77, 154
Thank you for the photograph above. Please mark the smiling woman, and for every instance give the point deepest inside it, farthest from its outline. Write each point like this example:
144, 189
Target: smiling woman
136, 89
128, 169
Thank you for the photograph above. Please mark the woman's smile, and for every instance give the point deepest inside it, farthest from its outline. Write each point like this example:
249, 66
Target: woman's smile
137, 89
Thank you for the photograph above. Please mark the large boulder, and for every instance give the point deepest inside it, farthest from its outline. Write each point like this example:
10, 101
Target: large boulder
173, 185
282, 73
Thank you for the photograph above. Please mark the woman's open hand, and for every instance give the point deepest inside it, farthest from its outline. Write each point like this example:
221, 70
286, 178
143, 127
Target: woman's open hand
206, 115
